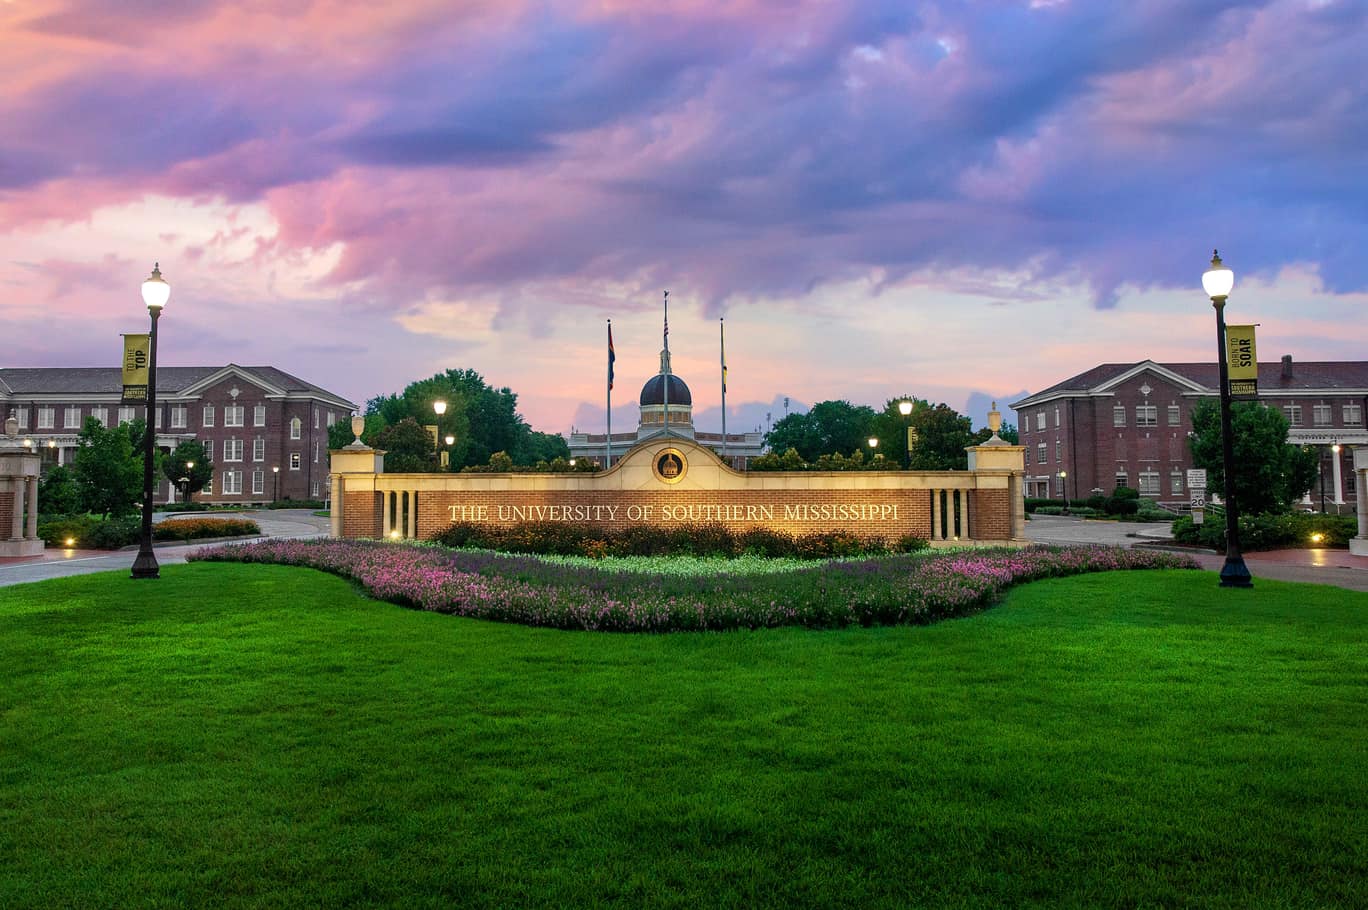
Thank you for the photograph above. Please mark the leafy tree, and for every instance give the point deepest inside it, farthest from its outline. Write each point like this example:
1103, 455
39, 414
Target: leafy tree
340, 433
829, 428
544, 447
1008, 433
59, 493
408, 448
108, 467
1270, 474
941, 435
177, 465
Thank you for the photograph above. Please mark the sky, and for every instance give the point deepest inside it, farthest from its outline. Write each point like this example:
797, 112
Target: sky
961, 201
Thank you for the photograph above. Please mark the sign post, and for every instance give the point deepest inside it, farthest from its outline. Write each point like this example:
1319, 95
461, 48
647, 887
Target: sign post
1197, 481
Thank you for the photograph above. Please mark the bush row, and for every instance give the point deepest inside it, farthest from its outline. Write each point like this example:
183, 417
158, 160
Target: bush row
314, 504
1292, 530
89, 532
200, 528
703, 539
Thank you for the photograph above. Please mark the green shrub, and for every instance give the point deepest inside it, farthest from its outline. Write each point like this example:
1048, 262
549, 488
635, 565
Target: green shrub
1292, 530
56, 531
201, 528
114, 533
765, 542
910, 543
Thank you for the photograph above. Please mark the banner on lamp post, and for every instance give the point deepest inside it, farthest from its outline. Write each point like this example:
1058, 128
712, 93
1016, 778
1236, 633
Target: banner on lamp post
1243, 361
135, 368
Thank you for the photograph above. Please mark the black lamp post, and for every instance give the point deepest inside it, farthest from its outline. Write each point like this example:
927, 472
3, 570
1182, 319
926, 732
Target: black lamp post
155, 293
1217, 281
440, 407
275, 484
905, 409
1064, 490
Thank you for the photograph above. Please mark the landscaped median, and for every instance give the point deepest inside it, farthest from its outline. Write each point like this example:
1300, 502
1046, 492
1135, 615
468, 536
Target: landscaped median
916, 588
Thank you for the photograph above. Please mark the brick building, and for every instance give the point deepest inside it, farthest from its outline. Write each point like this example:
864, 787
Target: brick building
251, 420
1127, 424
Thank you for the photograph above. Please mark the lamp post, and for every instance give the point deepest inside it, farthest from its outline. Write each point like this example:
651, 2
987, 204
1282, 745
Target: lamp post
905, 409
275, 483
1064, 490
1218, 281
1320, 469
185, 490
155, 293
450, 441
873, 444
1335, 465
440, 407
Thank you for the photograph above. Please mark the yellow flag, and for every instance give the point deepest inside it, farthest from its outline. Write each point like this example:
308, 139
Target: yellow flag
135, 364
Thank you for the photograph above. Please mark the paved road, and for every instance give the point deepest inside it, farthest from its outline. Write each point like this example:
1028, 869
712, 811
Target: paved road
1317, 566
61, 563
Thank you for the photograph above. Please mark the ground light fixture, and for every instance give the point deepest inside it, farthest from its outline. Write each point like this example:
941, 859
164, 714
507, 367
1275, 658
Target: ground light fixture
155, 293
1218, 281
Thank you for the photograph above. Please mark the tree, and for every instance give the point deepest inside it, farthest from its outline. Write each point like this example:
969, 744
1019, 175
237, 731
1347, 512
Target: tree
177, 466
59, 493
1008, 433
408, 448
1270, 474
829, 428
108, 467
942, 434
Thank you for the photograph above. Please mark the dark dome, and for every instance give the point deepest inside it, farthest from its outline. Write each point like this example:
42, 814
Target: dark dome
653, 392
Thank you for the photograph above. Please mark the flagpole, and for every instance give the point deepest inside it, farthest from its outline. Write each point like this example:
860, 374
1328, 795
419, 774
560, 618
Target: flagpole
665, 379
608, 460
722, 337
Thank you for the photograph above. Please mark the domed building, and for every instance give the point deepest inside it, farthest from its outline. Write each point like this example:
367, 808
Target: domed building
666, 410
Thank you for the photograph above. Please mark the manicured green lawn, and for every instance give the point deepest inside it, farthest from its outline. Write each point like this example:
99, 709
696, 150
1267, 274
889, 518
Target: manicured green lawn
238, 735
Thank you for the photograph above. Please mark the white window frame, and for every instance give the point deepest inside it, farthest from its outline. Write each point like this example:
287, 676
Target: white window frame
1146, 415
1040, 453
1122, 478
1040, 420
1321, 414
258, 482
71, 417
1175, 416
1118, 415
332, 418
47, 417
101, 414
296, 427
233, 415
259, 448
179, 416
1352, 414
209, 485
208, 445
1176, 481
1293, 412
1149, 483
232, 449
21, 415
232, 483
295, 461
315, 412
207, 418
315, 451
126, 414
259, 415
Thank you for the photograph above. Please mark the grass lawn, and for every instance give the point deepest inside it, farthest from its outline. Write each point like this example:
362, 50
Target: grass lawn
246, 735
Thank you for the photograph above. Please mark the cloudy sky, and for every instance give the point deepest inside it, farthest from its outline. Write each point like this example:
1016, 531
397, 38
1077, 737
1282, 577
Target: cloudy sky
956, 200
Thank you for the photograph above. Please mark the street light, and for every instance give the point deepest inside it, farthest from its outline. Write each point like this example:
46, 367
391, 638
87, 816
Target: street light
450, 441
185, 490
1064, 490
275, 483
905, 409
440, 407
155, 293
1218, 281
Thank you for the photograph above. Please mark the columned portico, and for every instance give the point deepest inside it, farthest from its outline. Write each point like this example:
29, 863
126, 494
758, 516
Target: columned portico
19, 470
1359, 544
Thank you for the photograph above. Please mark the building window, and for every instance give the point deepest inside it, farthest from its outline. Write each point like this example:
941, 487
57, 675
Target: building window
295, 426
1056, 416
1121, 478
259, 416
232, 450
258, 482
101, 414
294, 461
209, 485
313, 488
332, 418
1149, 483
232, 483
1146, 415
156, 418
315, 410
232, 415
71, 417
208, 416
21, 415
1175, 416
259, 448
125, 415
1320, 415
315, 451
1040, 420
1176, 482
46, 415
179, 413
1293, 412
1353, 415
1040, 453
208, 445
1059, 450
1119, 415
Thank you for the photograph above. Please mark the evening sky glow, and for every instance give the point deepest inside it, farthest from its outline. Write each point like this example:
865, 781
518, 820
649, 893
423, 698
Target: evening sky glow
962, 201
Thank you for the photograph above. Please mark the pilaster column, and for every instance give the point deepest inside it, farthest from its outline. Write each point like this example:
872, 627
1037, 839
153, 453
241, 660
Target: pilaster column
17, 518
412, 514
936, 515
31, 532
335, 518
386, 523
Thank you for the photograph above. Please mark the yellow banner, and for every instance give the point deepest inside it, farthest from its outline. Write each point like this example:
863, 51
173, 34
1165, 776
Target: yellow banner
135, 364
1242, 360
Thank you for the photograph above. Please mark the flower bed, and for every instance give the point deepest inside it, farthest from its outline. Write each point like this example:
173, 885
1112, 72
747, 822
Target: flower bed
890, 590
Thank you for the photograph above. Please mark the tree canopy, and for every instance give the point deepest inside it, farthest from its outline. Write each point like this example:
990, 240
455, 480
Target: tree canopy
188, 462
840, 428
108, 467
1270, 474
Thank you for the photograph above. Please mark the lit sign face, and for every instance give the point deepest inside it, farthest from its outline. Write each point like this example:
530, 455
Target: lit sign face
669, 465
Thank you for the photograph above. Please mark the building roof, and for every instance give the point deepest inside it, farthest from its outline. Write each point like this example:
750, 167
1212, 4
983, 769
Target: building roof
653, 392
22, 381
1315, 375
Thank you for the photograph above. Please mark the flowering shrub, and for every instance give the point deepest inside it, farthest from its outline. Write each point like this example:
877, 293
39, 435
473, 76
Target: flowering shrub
894, 589
200, 528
